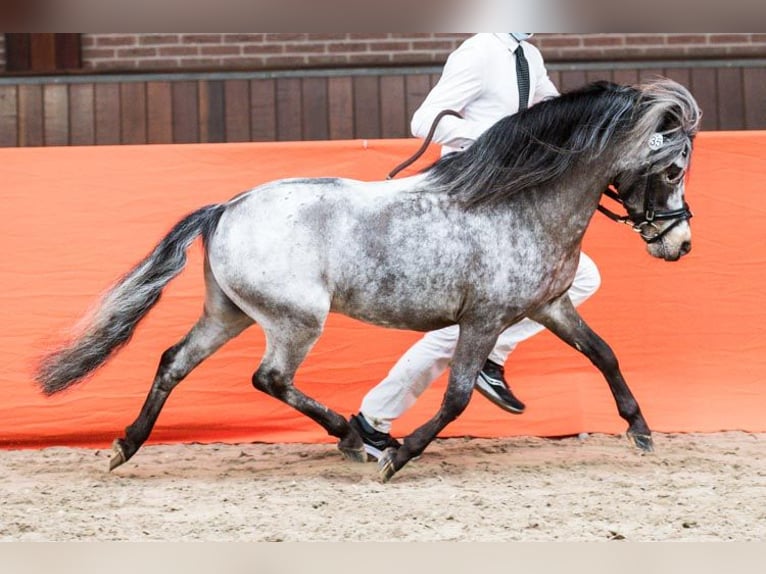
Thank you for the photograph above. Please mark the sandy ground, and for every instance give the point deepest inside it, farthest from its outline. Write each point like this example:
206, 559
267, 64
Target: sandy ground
596, 488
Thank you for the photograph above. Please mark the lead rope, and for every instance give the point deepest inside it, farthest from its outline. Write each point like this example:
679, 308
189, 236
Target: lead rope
426, 142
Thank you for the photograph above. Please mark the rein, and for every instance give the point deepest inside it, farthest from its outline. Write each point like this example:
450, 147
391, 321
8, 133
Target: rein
425, 144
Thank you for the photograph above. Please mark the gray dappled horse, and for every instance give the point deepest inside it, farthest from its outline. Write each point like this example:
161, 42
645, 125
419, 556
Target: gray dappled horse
481, 239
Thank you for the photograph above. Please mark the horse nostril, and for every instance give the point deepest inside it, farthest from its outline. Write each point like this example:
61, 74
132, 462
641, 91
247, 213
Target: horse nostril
686, 246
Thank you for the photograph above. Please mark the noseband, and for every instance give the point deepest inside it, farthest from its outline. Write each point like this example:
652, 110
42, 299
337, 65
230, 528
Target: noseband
645, 224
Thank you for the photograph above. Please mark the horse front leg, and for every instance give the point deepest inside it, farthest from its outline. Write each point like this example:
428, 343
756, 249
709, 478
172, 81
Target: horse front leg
561, 318
473, 347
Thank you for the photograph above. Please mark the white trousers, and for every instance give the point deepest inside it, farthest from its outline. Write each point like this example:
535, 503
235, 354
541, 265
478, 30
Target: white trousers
428, 358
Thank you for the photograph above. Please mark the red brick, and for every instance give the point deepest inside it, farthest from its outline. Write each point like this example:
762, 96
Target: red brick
244, 63
178, 51
220, 50
115, 40
136, 52
644, 39
432, 45
285, 61
201, 38
604, 40
98, 53
558, 42
687, 39
372, 59
160, 64
154, 39
347, 48
263, 49
305, 48
389, 46
321, 60
366, 37
729, 38
243, 38
324, 37
284, 37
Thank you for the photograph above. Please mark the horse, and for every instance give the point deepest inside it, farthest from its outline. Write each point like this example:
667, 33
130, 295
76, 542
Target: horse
482, 238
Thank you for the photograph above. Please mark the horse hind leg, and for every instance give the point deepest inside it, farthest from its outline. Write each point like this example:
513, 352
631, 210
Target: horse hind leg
289, 339
220, 322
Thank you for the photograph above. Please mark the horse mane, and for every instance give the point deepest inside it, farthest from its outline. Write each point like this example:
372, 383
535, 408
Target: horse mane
536, 146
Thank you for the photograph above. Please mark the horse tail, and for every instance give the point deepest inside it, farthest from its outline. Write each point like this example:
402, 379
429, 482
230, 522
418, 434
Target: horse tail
111, 324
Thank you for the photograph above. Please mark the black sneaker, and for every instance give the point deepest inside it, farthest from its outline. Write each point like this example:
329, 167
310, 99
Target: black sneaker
491, 383
375, 442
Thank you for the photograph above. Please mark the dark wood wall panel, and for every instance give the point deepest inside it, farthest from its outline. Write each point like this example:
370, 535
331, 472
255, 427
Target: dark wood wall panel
133, 113
31, 115
108, 121
369, 106
9, 105
237, 110
315, 107
185, 101
340, 99
159, 112
703, 86
393, 113
56, 114
263, 104
754, 82
730, 99
82, 121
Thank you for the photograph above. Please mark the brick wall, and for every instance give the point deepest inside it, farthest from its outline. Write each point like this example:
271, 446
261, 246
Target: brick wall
571, 47
253, 51
262, 50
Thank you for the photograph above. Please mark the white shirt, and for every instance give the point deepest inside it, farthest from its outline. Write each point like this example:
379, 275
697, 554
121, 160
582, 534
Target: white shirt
479, 82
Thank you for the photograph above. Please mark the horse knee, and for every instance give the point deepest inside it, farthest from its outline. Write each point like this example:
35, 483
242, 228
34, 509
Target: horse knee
455, 403
270, 381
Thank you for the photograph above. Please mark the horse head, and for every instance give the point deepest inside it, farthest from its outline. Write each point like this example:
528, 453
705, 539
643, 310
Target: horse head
652, 188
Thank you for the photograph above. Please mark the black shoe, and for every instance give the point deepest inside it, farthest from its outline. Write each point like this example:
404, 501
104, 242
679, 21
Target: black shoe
375, 442
491, 383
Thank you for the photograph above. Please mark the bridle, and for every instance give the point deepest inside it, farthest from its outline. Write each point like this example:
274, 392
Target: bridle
646, 223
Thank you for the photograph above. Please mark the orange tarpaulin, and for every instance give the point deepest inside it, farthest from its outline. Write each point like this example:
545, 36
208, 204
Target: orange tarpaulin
690, 336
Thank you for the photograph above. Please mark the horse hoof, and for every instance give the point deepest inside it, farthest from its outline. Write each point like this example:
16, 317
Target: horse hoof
386, 468
119, 457
353, 454
642, 441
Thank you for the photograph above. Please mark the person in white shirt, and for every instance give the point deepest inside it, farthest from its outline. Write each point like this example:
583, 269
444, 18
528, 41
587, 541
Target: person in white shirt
483, 80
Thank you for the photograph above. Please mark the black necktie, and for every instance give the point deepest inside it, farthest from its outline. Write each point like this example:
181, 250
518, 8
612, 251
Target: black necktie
522, 77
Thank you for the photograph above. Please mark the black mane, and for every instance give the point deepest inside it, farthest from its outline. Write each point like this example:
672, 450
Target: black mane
537, 145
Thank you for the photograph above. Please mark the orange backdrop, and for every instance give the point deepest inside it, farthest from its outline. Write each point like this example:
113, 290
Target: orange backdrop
690, 336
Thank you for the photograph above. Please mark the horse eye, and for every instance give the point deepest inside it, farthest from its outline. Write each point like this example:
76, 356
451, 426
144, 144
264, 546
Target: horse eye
674, 174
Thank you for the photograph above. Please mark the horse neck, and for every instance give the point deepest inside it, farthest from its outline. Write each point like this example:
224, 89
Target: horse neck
566, 206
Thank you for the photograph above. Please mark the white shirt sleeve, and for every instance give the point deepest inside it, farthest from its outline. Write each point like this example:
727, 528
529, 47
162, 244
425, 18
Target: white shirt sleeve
461, 82
544, 86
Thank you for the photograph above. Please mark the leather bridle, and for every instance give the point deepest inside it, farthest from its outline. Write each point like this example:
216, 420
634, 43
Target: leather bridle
646, 223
